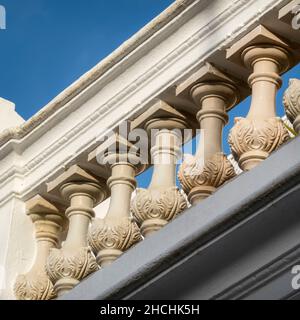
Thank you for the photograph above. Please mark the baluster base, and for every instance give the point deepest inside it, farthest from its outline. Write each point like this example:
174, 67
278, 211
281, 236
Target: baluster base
107, 256
252, 159
65, 285
151, 226
200, 193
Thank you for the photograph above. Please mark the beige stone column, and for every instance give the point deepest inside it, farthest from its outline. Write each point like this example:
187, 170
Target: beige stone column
69, 265
291, 103
48, 222
117, 232
162, 201
213, 93
255, 137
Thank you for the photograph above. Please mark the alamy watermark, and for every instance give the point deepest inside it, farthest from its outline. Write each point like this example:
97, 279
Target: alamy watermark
296, 19
2, 18
296, 278
168, 146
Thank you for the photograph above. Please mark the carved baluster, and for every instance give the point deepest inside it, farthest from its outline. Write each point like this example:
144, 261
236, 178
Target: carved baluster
162, 201
71, 264
48, 223
117, 232
255, 137
201, 175
291, 103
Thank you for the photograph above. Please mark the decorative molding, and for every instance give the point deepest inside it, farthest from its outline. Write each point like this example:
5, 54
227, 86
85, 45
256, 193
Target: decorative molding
35, 286
12, 173
257, 139
205, 178
109, 238
157, 207
73, 265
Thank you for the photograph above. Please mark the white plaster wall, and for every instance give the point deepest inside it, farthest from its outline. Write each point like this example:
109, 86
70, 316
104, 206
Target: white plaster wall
102, 209
17, 244
8, 116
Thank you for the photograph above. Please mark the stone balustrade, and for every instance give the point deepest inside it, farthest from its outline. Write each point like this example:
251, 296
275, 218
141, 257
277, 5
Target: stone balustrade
214, 94
162, 201
93, 243
69, 265
118, 231
254, 138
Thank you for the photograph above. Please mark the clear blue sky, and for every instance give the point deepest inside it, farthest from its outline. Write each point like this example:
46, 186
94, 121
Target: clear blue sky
48, 44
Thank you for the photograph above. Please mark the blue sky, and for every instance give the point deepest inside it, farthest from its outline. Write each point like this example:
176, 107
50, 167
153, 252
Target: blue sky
48, 44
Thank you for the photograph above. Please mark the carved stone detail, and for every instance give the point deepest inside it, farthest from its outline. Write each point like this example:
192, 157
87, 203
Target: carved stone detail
74, 261
117, 232
157, 206
48, 223
162, 201
200, 180
291, 101
35, 286
109, 238
267, 56
214, 93
73, 265
252, 141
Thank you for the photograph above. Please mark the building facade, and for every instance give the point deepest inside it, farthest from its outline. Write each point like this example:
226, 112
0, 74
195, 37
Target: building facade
71, 214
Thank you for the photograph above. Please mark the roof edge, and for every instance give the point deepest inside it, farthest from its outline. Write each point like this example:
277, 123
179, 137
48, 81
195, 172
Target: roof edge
96, 72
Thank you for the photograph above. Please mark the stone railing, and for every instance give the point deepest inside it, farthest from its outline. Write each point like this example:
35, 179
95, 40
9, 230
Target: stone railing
72, 243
